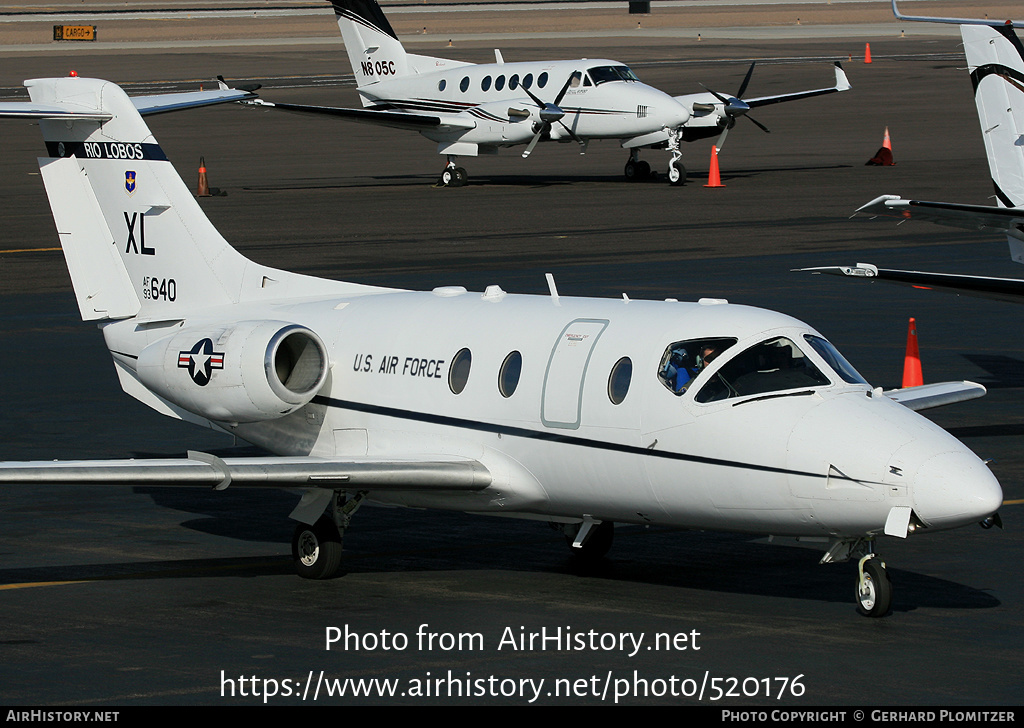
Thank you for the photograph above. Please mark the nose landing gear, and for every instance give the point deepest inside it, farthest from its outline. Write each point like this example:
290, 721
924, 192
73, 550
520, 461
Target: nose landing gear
874, 590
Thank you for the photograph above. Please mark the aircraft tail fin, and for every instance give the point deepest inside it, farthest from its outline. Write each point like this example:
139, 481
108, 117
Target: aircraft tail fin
136, 241
995, 59
374, 49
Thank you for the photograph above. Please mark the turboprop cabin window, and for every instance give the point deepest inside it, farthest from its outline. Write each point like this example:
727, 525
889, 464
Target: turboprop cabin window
528, 80
542, 80
775, 365
485, 85
684, 360
464, 86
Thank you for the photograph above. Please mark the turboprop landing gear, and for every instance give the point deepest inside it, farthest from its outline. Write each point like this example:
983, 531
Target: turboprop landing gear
316, 549
453, 176
636, 169
676, 170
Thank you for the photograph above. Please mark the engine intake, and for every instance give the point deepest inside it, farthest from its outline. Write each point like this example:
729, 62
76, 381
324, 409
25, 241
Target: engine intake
242, 372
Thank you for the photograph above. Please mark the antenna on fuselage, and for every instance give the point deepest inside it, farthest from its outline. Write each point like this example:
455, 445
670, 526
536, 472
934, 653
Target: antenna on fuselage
551, 287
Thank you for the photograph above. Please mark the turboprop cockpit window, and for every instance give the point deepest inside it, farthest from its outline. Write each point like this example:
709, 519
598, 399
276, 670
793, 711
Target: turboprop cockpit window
775, 365
835, 360
604, 74
684, 360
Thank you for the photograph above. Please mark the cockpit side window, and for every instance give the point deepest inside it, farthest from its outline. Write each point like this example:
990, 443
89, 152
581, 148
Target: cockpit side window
684, 360
604, 74
835, 360
771, 366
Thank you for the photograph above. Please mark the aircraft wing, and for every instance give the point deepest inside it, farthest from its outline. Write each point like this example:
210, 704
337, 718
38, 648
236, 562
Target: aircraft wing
927, 396
203, 469
842, 84
971, 217
1002, 289
381, 117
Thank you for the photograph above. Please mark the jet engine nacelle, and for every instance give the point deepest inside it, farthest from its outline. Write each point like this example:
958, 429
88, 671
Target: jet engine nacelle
241, 372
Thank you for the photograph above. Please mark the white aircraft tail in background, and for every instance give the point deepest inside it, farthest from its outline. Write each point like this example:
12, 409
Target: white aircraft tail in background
580, 412
995, 60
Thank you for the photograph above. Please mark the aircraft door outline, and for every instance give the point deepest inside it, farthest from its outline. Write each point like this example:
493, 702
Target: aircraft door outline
566, 373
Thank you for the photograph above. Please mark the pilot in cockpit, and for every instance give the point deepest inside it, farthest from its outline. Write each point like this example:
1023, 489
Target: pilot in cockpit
685, 362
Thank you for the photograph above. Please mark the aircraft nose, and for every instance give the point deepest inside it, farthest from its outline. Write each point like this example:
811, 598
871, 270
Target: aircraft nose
955, 488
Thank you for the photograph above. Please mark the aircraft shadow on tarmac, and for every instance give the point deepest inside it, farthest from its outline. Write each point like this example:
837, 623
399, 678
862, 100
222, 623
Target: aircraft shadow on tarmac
395, 541
1003, 371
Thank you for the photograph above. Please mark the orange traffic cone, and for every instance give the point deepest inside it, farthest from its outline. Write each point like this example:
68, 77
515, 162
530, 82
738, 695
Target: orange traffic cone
885, 141
714, 178
912, 376
204, 188
867, 53
883, 157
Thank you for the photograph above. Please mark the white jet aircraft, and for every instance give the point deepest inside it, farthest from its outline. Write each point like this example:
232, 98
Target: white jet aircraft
995, 59
471, 109
575, 411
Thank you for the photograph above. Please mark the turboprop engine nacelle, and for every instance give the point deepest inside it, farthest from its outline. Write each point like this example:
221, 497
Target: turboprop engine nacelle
241, 372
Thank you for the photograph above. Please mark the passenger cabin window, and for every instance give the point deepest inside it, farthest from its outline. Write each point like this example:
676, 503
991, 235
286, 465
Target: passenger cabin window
441, 84
464, 86
619, 379
485, 85
513, 82
604, 74
458, 374
508, 375
528, 80
542, 80
684, 360
499, 83
775, 365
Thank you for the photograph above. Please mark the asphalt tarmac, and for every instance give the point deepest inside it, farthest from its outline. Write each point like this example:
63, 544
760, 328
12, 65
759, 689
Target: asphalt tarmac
152, 596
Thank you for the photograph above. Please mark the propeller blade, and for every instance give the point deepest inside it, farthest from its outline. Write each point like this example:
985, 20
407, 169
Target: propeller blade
721, 138
759, 125
571, 133
568, 81
533, 142
746, 80
530, 94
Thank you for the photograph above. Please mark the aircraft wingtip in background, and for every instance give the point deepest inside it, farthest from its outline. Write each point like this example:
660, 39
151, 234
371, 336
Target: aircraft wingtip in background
484, 403
995, 60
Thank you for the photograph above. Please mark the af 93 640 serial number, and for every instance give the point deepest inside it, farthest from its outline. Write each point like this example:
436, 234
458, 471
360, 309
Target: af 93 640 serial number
159, 289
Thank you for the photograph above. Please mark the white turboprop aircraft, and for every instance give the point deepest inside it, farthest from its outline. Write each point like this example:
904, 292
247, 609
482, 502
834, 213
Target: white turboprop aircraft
575, 411
471, 109
995, 59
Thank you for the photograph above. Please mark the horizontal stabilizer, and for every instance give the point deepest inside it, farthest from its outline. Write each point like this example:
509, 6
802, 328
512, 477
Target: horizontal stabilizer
927, 396
202, 469
146, 105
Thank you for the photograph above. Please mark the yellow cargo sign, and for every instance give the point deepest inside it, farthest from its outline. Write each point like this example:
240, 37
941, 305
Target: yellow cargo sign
74, 32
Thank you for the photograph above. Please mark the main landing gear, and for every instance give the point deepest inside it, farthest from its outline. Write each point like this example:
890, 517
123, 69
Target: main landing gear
452, 176
316, 549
